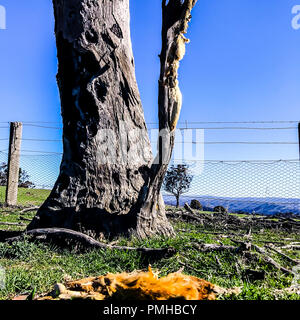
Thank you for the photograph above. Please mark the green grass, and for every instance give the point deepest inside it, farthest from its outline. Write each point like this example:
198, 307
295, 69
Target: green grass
39, 266
27, 197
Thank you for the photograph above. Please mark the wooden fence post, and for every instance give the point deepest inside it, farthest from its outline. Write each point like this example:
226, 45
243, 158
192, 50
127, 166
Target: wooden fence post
13, 164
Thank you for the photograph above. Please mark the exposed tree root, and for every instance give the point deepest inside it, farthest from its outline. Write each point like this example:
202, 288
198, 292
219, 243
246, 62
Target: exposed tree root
88, 242
29, 209
5, 234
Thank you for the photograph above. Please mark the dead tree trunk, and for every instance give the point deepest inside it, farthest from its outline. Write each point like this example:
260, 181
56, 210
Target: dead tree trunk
176, 16
106, 172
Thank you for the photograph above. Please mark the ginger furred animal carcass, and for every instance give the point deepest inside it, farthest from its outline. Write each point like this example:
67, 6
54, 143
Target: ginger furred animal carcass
137, 285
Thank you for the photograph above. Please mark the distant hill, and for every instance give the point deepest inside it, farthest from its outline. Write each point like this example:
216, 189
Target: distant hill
266, 206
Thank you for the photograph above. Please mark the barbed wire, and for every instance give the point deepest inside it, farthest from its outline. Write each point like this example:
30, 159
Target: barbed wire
221, 179
237, 161
240, 128
179, 142
42, 140
41, 126
190, 142
239, 122
42, 152
266, 161
237, 142
184, 121
200, 128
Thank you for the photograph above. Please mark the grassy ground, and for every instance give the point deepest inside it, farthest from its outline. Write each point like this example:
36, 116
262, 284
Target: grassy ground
30, 266
27, 197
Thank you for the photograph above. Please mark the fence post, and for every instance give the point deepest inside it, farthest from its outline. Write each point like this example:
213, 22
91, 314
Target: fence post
13, 164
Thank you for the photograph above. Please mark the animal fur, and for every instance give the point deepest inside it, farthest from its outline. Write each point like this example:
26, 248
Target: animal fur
136, 286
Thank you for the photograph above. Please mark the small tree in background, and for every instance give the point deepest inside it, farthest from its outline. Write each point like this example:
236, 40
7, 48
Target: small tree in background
24, 181
177, 181
3, 174
23, 177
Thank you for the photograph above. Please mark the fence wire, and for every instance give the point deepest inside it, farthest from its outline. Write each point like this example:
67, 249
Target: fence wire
265, 187
261, 186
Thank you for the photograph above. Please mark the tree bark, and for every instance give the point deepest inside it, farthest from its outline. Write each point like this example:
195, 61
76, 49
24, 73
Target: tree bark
108, 181
177, 201
176, 15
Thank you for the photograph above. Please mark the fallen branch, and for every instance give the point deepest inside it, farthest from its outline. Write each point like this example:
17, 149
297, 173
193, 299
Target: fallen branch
293, 221
24, 219
223, 233
13, 224
271, 242
269, 260
209, 247
29, 209
291, 246
185, 230
186, 216
264, 255
283, 255
218, 262
188, 208
88, 241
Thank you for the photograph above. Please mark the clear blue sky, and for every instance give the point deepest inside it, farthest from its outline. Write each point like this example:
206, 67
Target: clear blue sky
242, 64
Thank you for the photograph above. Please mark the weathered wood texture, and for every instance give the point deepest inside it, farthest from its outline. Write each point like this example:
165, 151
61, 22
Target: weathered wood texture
98, 90
106, 149
175, 17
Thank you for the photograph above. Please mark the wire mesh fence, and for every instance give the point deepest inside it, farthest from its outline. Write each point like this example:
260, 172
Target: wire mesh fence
250, 186
265, 187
